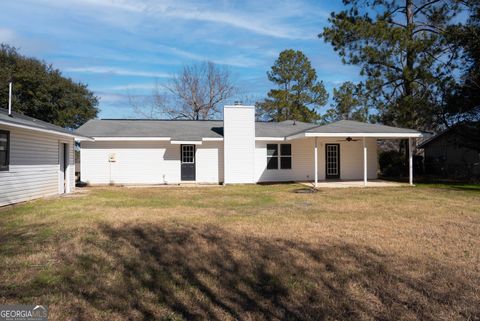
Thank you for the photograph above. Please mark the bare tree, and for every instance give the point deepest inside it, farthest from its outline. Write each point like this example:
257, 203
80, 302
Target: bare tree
149, 106
195, 93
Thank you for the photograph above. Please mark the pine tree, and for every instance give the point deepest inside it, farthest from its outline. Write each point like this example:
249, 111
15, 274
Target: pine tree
349, 102
298, 94
401, 49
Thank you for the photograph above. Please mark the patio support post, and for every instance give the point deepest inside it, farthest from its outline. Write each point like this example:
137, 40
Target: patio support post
410, 161
316, 163
364, 163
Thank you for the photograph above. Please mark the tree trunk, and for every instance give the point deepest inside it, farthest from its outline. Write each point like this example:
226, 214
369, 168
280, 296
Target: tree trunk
410, 55
408, 73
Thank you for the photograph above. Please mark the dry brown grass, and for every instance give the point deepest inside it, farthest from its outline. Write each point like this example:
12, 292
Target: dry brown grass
246, 253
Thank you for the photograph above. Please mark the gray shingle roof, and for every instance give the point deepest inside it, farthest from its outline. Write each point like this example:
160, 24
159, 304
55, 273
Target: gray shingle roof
350, 126
184, 130
181, 129
20, 119
176, 129
281, 129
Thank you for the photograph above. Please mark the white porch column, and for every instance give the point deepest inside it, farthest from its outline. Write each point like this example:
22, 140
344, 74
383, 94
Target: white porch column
364, 163
316, 163
410, 161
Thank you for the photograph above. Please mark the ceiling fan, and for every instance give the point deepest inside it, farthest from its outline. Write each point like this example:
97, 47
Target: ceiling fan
348, 139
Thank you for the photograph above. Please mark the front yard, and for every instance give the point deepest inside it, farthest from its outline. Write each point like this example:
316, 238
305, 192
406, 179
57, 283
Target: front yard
246, 253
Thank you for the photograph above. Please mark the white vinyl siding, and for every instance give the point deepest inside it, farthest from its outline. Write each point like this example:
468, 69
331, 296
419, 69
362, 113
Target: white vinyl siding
157, 162
34, 169
146, 162
302, 162
351, 160
209, 165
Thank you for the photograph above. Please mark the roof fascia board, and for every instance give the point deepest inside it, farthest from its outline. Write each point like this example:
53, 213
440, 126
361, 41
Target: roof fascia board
131, 138
212, 139
378, 135
181, 142
269, 138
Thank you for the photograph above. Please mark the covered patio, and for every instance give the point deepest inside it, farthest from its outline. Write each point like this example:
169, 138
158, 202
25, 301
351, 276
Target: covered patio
350, 132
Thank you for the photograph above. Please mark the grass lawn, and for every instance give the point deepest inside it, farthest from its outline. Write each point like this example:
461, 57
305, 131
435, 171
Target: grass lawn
246, 253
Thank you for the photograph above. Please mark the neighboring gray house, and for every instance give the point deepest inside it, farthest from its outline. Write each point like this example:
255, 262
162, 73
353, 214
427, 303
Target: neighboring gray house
36, 158
446, 155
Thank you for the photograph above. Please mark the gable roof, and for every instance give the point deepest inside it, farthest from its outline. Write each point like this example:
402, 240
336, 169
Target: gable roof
454, 129
22, 121
351, 127
432, 138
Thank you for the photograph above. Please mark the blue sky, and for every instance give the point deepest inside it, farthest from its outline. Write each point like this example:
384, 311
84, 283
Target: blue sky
121, 48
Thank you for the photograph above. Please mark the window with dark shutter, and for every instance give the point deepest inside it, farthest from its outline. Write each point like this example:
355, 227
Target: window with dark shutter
4, 150
286, 156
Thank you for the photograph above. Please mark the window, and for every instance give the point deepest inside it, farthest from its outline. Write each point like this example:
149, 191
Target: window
188, 154
286, 156
274, 158
4, 150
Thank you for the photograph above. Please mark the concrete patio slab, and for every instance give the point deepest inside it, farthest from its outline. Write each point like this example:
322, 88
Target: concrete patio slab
359, 183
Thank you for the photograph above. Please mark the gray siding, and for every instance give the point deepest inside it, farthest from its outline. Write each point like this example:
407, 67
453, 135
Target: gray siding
446, 158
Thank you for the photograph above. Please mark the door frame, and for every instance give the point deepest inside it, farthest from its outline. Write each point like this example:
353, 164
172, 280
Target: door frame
327, 176
194, 162
64, 167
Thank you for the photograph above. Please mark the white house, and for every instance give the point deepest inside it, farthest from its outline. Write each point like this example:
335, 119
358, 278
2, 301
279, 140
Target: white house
36, 158
235, 150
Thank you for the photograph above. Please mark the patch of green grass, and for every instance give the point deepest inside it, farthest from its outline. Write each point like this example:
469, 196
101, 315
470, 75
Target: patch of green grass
46, 278
453, 186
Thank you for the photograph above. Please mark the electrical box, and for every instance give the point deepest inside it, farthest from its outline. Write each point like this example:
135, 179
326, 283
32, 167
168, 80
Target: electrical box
112, 158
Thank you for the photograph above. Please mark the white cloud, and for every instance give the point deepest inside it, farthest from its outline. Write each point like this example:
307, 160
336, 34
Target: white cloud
148, 86
112, 98
116, 71
7, 35
238, 61
265, 18
126, 5
259, 26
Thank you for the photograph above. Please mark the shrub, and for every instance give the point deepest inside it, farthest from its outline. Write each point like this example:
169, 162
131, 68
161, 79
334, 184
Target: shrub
392, 163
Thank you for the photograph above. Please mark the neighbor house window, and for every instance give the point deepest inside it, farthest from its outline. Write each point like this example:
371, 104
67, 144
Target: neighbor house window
4, 150
274, 158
